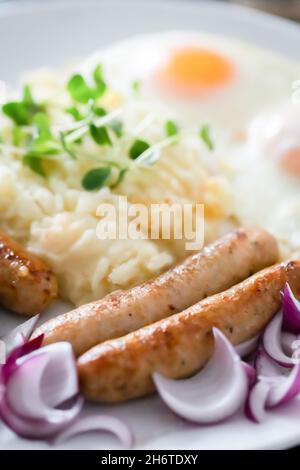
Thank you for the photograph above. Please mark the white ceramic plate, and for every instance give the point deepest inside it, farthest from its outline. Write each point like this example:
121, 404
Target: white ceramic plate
34, 35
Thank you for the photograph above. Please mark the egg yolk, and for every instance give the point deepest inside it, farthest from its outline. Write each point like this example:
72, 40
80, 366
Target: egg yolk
194, 71
290, 161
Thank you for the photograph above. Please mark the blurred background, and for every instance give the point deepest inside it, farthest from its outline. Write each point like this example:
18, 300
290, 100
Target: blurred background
287, 8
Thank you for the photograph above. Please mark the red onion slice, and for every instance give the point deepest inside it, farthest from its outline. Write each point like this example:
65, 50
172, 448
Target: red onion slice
275, 387
214, 393
59, 381
272, 342
34, 428
250, 372
267, 368
11, 363
98, 423
291, 310
255, 407
34, 382
20, 334
36, 398
286, 389
35, 385
247, 347
288, 342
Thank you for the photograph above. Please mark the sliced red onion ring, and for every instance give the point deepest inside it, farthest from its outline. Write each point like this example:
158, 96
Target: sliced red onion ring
291, 310
35, 381
272, 342
256, 402
10, 366
214, 393
268, 373
275, 387
286, 389
59, 380
36, 398
250, 372
247, 347
288, 342
20, 334
28, 401
98, 423
34, 428
266, 367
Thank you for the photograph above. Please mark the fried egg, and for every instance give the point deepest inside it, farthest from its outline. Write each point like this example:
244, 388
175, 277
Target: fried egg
267, 181
279, 134
198, 76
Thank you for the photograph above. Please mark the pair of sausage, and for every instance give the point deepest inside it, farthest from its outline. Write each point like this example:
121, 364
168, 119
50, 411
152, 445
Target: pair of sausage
27, 286
179, 346
120, 369
217, 267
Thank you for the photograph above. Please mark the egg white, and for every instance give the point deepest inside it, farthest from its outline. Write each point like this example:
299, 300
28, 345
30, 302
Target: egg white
262, 78
265, 194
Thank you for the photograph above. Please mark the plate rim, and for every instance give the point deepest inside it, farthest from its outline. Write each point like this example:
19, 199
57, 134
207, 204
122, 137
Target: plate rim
266, 22
272, 23
16, 7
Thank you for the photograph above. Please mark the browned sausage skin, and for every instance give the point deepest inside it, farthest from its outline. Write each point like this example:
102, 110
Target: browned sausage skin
220, 265
178, 346
27, 286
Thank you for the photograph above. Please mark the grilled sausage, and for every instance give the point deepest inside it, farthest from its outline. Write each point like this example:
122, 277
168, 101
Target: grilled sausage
27, 286
217, 267
179, 346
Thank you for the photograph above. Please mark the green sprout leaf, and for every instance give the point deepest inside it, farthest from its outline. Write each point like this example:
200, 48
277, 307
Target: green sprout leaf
80, 91
98, 78
99, 111
96, 178
43, 143
44, 149
171, 128
27, 96
138, 147
41, 121
34, 163
18, 112
205, 135
136, 86
18, 136
75, 113
100, 135
22, 112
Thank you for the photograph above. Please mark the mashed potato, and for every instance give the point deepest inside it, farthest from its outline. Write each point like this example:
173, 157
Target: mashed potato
55, 217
